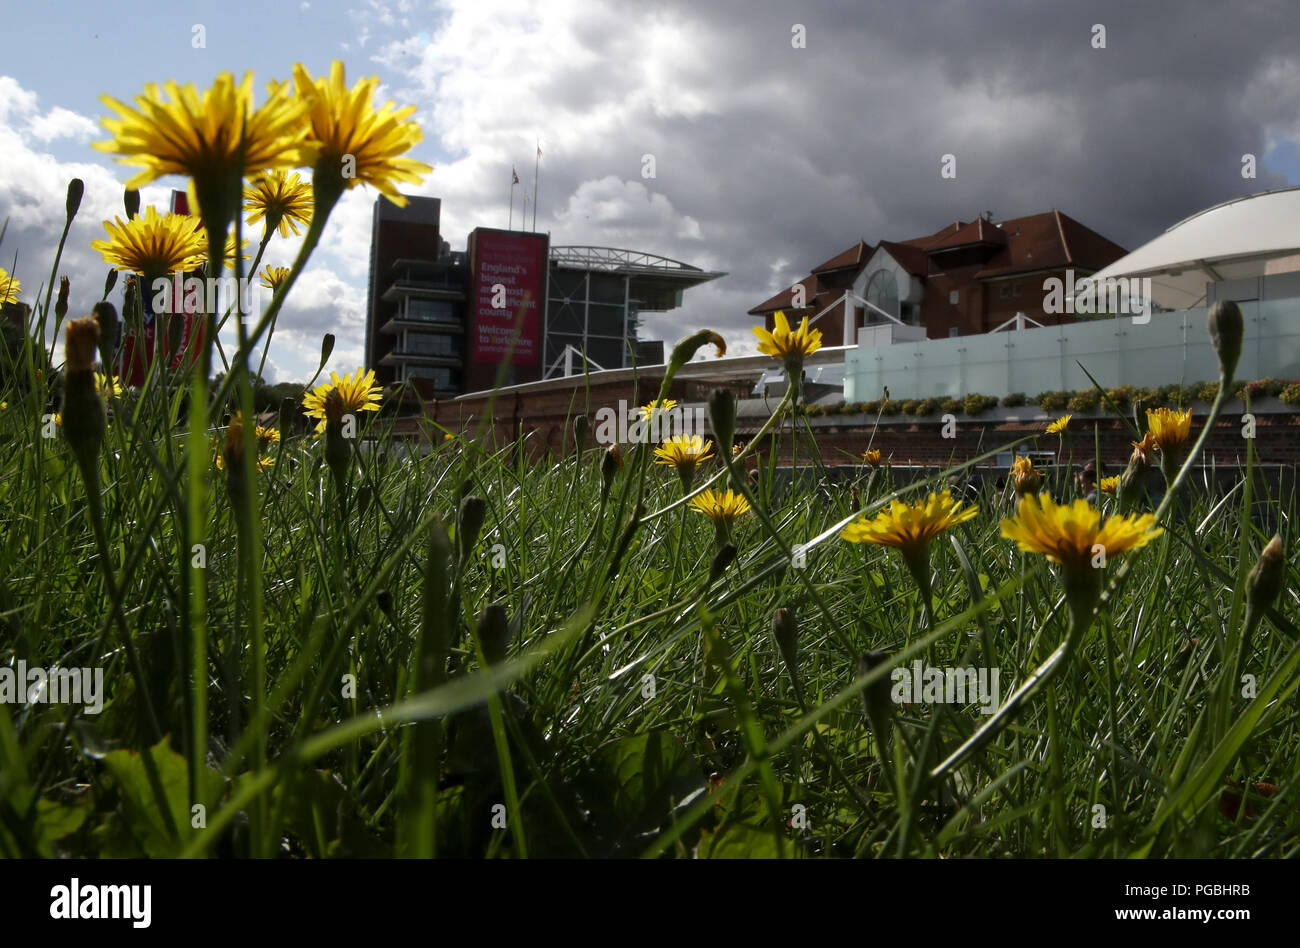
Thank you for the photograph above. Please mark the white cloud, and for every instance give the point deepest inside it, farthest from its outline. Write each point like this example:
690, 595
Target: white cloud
63, 123
624, 213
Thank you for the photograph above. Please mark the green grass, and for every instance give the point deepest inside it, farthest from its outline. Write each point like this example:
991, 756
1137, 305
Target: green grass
628, 682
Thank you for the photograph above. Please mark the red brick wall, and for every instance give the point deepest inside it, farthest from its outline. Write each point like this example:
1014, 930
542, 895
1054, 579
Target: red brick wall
918, 441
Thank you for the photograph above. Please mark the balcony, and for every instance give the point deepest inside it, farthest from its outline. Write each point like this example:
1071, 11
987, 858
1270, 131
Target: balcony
403, 356
400, 322
401, 289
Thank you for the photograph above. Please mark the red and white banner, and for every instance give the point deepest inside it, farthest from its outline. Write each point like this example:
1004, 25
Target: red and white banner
507, 268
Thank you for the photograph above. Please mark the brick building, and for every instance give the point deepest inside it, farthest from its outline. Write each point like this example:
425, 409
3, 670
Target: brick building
432, 318
968, 277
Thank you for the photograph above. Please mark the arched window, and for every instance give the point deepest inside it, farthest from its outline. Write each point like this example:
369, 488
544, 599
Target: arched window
882, 291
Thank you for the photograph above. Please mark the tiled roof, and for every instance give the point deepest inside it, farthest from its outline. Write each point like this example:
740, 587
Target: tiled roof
855, 257
784, 299
1049, 241
911, 258
978, 231
931, 240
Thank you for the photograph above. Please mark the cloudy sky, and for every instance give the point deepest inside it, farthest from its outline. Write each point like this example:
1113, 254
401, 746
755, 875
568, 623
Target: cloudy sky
769, 157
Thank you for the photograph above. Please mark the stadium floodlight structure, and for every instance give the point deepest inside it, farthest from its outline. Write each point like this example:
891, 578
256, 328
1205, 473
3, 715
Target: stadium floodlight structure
594, 297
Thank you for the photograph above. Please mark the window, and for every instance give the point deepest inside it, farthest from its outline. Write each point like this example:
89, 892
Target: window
431, 311
882, 292
442, 378
436, 344
952, 331
953, 296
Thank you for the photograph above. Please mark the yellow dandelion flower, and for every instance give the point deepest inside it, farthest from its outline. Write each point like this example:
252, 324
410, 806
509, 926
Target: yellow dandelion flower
107, 384
784, 343
682, 451
1145, 449
272, 277
266, 435
1059, 425
346, 127
264, 463
1025, 478
910, 527
648, 411
216, 138
1073, 534
1169, 428
153, 244
9, 287
283, 200
872, 457
4, 406
1109, 485
720, 506
358, 392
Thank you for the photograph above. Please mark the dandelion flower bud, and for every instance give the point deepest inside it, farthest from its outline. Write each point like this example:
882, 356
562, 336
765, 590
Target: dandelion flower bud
61, 304
1132, 483
82, 344
131, 201
610, 464
469, 523
687, 346
83, 409
875, 698
76, 188
581, 428
232, 457
109, 332
722, 412
786, 632
493, 632
1226, 329
1264, 584
725, 556
110, 281
1026, 479
338, 452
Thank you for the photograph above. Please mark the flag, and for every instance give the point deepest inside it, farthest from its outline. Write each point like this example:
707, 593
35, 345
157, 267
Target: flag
539, 150
514, 174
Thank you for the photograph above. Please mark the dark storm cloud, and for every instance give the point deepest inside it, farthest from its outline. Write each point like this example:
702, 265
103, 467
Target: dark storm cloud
797, 153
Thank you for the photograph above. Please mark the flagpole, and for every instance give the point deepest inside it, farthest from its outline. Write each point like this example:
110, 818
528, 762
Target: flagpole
536, 162
514, 180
